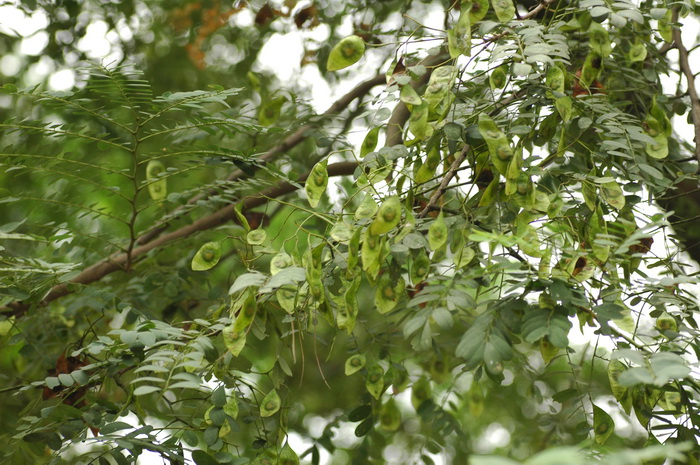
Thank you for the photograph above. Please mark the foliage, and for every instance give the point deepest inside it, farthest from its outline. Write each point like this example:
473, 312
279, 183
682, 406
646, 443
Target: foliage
227, 276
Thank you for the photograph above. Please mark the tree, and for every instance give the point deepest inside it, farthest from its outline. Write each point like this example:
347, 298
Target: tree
226, 276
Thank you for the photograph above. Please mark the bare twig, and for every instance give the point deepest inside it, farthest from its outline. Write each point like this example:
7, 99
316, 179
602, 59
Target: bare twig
288, 143
117, 261
684, 64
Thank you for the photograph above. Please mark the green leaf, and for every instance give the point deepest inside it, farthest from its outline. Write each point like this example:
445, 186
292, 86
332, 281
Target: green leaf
145, 390
484, 341
346, 53
202, 458
270, 404
550, 323
207, 256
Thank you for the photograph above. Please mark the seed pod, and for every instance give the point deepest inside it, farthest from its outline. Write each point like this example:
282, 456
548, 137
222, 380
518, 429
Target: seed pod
548, 350
317, 182
612, 194
279, 262
368, 207
505, 10
233, 339
207, 256
256, 237
270, 404
287, 456
498, 78
437, 233
346, 52
420, 392
555, 79
354, 364
375, 380
420, 267
231, 407
477, 9
370, 142
603, 425
157, 186
389, 292
390, 416
615, 369
388, 216
341, 232
666, 323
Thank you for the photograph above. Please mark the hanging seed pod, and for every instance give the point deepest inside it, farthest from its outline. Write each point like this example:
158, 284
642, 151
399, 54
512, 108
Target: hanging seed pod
354, 364
420, 392
207, 256
548, 350
256, 237
666, 325
233, 339
420, 267
370, 142
389, 292
287, 456
388, 216
375, 380
270, 404
615, 369
437, 233
341, 232
555, 80
505, 9
598, 39
317, 182
157, 186
390, 416
459, 40
279, 262
603, 425
368, 207
612, 194
231, 406
409, 95
346, 53
498, 78
477, 9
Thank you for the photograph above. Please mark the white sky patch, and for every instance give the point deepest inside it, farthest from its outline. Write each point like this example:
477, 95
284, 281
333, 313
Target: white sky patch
10, 64
62, 80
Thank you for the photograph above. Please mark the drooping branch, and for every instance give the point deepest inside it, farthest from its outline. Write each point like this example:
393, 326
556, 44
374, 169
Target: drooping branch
288, 143
684, 63
118, 261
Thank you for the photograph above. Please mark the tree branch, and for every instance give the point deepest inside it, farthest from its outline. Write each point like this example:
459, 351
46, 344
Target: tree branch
684, 64
117, 261
288, 143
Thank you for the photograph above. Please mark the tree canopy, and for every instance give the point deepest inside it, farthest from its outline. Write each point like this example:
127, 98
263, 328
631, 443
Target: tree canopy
484, 250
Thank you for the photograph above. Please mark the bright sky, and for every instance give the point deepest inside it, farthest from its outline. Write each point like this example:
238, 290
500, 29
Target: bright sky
281, 55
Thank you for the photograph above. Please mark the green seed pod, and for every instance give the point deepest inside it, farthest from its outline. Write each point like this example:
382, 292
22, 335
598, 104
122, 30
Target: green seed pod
256, 237
389, 292
615, 369
375, 381
346, 53
287, 456
279, 262
206, 257
505, 9
420, 392
157, 186
390, 416
498, 78
388, 216
370, 142
477, 9
354, 364
233, 339
317, 182
270, 404
603, 425
437, 233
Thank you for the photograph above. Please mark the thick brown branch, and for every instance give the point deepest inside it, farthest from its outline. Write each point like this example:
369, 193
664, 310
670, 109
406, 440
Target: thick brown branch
442, 188
117, 261
684, 64
288, 143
